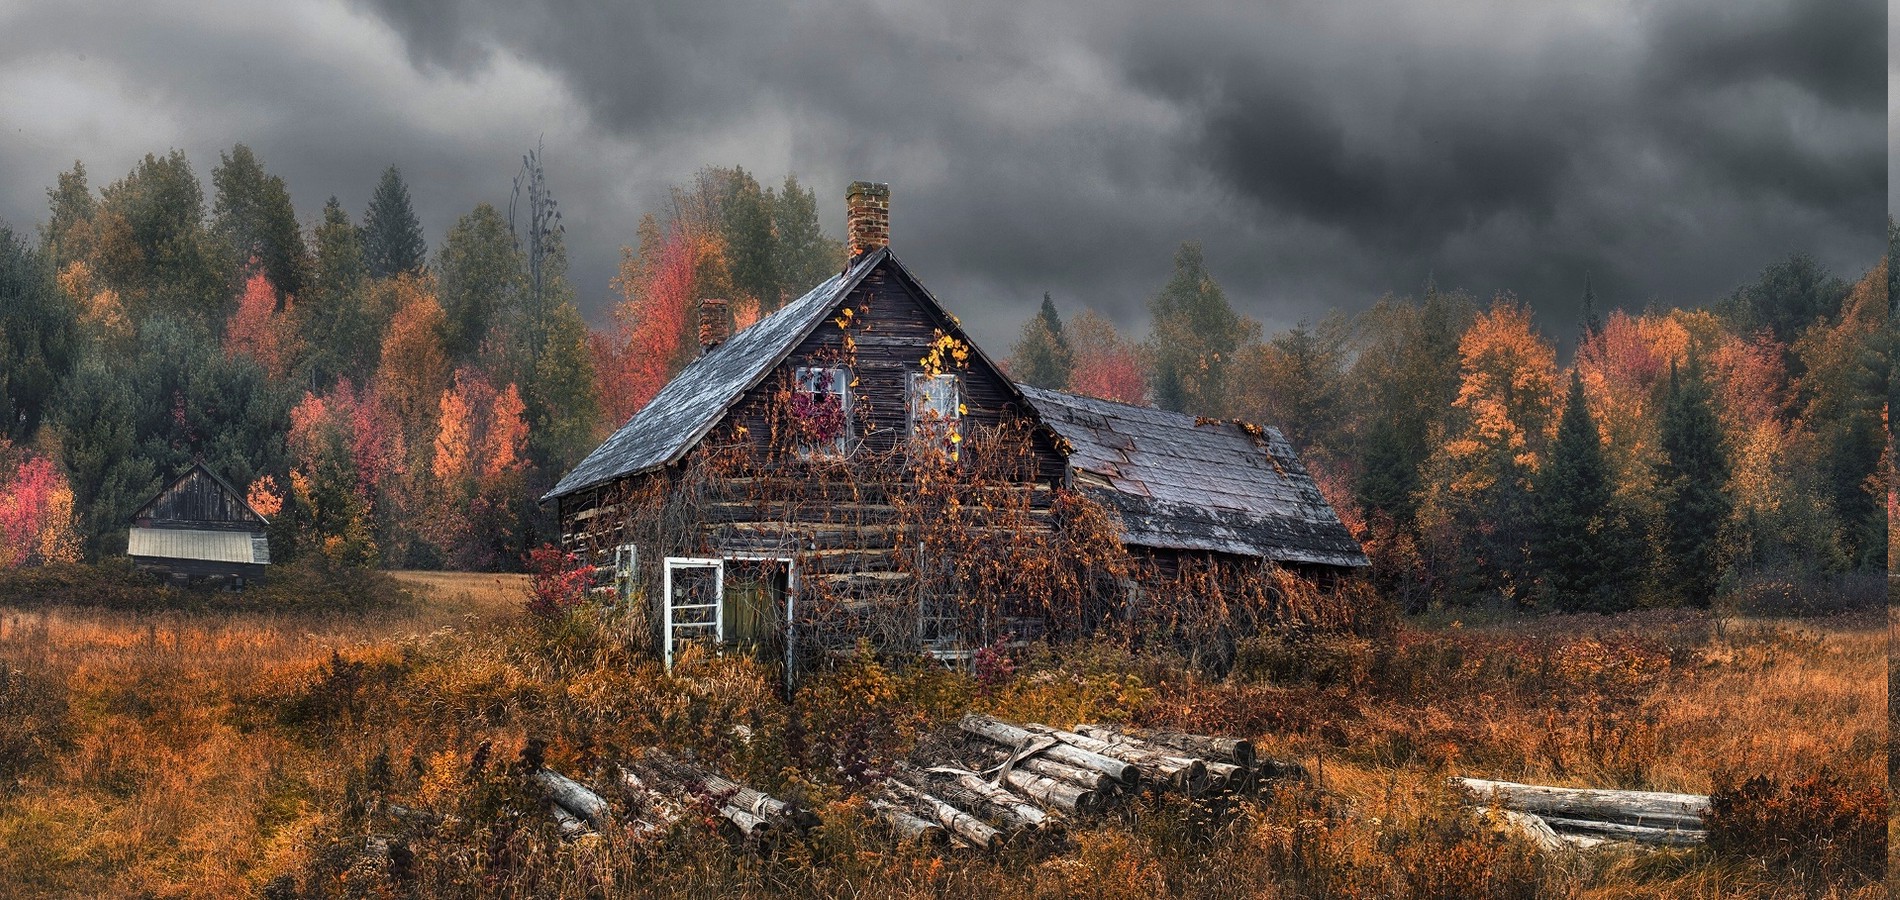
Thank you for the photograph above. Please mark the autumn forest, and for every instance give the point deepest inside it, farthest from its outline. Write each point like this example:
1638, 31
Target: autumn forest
391, 405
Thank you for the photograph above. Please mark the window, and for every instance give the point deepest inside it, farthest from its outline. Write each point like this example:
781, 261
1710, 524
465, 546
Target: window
821, 409
936, 412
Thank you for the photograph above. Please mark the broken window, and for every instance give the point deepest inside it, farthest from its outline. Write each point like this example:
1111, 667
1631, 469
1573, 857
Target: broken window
821, 407
936, 412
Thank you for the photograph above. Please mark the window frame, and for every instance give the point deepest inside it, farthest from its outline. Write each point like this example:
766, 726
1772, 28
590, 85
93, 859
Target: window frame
950, 422
803, 377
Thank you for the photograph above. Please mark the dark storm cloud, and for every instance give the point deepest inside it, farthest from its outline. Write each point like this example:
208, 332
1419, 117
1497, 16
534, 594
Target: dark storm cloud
1324, 153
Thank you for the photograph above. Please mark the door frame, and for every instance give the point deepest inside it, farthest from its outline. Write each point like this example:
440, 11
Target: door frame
666, 601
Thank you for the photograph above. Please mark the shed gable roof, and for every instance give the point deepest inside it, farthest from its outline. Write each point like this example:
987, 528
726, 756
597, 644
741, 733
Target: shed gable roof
1192, 484
183, 500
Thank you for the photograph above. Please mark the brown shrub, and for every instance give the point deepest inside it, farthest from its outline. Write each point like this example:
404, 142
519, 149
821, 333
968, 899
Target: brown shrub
1819, 823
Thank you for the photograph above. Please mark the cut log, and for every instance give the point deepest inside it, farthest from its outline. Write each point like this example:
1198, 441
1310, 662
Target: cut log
1655, 809
572, 796
907, 826
1017, 739
956, 821
658, 811
1053, 794
1220, 774
748, 823
1238, 751
1182, 772
1640, 834
970, 790
753, 801
1086, 779
1533, 827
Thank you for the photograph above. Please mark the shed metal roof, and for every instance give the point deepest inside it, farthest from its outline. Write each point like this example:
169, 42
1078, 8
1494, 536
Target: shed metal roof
208, 546
1192, 484
698, 397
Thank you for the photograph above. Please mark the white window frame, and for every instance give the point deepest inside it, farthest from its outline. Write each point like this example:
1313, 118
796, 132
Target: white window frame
943, 442
674, 563
802, 379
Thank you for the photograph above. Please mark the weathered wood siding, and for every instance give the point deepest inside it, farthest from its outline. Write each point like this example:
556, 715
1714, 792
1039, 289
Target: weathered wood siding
198, 500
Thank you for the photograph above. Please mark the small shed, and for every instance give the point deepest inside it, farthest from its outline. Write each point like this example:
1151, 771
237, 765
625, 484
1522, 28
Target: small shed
200, 526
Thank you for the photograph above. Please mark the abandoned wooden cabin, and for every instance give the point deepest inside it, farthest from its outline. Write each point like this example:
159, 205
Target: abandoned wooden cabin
786, 478
200, 528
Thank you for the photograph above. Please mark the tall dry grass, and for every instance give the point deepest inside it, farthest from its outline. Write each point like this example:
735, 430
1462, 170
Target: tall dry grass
197, 754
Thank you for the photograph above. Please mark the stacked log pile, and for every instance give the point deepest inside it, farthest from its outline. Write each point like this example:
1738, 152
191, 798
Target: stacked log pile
1578, 818
1014, 786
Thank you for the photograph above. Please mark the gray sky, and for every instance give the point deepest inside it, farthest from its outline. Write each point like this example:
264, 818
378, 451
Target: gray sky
1323, 152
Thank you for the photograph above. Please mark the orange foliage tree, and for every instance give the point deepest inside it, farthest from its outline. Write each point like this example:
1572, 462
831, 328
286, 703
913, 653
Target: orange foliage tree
1476, 515
36, 510
1106, 365
259, 329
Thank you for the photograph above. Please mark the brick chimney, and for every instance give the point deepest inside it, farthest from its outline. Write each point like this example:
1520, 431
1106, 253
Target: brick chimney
867, 218
715, 323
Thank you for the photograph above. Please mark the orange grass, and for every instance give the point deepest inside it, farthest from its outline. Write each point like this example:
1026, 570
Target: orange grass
171, 754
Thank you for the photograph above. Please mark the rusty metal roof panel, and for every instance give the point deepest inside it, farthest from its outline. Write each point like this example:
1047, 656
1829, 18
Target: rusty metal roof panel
1186, 483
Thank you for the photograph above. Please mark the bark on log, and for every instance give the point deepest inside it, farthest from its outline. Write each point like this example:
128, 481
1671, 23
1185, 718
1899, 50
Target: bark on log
958, 822
907, 826
1654, 809
574, 797
1182, 772
750, 824
1238, 751
1086, 779
973, 792
657, 809
1533, 827
571, 826
756, 802
1016, 738
1641, 834
1053, 794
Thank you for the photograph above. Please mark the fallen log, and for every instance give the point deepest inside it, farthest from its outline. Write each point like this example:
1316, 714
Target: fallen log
1640, 834
1182, 772
907, 826
1086, 779
1017, 740
571, 795
962, 824
1655, 809
1220, 775
659, 811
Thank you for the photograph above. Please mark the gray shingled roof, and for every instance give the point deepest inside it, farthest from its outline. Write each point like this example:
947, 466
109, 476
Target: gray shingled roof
699, 396
1189, 486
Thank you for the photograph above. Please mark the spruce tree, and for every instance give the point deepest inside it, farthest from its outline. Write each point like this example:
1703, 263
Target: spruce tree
1196, 335
805, 256
344, 332
392, 236
1693, 476
1590, 322
1041, 355
254, 216
1585, 550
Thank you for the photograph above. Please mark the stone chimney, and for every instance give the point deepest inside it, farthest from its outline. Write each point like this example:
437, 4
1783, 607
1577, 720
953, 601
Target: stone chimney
715, 323
867, 218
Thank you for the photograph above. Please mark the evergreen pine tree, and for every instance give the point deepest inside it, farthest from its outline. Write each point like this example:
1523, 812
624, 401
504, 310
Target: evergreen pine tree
1041, 355
253, 214
392, 236
344, 332
805, 256
1693, 475
1196, 335
1590, 322
1585, 550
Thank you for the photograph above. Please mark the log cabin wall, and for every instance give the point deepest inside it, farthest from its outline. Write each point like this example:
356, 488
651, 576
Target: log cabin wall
833, 517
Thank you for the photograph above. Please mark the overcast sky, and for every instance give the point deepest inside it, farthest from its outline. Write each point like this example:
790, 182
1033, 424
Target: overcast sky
1324, 152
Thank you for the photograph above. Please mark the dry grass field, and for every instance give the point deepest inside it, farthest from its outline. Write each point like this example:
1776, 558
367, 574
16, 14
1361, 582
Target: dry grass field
200, 753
